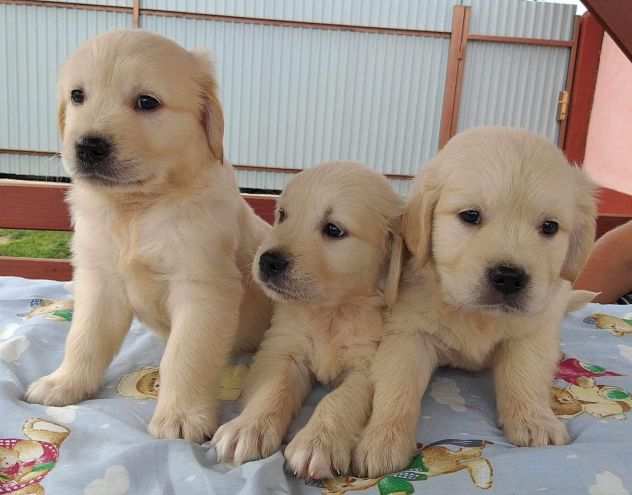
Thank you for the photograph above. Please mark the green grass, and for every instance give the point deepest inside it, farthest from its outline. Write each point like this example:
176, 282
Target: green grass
35, 244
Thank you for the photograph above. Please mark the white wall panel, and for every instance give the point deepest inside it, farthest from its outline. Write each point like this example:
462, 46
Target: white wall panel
34, 42
114, 3
435, 15
522, 18
267, 180
514, 86
294, 97
40, 166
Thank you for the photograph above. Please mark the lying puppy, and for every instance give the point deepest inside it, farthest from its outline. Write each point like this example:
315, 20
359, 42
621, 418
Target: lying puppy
327, 264
498, 225
161, 232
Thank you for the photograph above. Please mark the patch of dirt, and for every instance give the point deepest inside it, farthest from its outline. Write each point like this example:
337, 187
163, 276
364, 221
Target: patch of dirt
4, 240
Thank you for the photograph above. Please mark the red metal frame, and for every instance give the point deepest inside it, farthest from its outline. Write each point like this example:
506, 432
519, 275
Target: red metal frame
42, 206
570, 76
616, 17
454, 76
614, 207
583, 88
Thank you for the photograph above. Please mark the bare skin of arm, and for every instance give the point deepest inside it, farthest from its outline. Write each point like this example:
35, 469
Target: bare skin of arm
609, 268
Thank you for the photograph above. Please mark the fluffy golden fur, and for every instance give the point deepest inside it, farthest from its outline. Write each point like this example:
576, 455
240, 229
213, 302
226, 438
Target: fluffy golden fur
161, 232
448, 313
327, 321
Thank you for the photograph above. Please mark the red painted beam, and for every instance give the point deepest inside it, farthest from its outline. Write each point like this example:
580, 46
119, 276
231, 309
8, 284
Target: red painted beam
614, 203
34, 205
41, 206
35, 268
616, 17
583, 89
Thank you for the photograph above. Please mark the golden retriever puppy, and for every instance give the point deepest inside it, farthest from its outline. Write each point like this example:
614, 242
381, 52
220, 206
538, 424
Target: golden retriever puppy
332, 262
161, 232
498, 225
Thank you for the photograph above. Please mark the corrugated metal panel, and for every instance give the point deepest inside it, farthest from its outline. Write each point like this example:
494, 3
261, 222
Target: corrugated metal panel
513, 85
276, 181
433, 15
34, 42
522, 18
51, 168
41, 166
263, 179
115, 3
294, 97
402, 186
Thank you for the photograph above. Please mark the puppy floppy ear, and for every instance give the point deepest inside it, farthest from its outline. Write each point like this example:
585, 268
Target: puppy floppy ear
582, 236
579, 298
393, 269
212, 115
417, 220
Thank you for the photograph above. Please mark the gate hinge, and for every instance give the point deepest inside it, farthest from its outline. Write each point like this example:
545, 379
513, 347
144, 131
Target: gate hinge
562, 106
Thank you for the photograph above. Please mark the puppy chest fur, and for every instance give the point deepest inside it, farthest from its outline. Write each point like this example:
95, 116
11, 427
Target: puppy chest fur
126, 246
464, 339
335, 341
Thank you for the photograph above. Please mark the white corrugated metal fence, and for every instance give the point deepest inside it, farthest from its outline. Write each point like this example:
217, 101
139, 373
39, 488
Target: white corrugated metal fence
296, 94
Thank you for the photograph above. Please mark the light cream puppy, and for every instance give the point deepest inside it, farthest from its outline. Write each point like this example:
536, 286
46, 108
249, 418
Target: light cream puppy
332, 262
161, 232
498, 225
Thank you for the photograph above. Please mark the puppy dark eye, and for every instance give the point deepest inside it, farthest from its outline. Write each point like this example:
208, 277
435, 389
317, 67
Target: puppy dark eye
333, 231
282, 215
549, 228
470, 216
147, 103
77, 96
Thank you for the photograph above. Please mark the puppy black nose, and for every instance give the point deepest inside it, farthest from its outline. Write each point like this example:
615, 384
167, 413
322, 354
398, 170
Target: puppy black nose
92, 149
272, 263
507, 279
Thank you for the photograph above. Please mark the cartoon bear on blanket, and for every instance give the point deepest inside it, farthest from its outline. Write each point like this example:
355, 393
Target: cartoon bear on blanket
601, 401
24, 463
443, 457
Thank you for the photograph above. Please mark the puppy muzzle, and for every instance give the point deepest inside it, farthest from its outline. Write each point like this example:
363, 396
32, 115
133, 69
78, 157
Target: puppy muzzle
95, 159
273, 265
506, 288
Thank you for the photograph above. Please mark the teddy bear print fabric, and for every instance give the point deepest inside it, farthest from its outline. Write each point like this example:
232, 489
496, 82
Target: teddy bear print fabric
101, 446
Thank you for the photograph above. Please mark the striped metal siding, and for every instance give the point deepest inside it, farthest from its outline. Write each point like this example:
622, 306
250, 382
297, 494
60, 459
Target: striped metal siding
514, 86
34, 42
522, 18
276, 181
52, 169
294, 97
41, 166
405, 14
114, 3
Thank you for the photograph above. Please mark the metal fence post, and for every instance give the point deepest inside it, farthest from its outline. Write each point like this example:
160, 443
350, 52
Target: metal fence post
454, 77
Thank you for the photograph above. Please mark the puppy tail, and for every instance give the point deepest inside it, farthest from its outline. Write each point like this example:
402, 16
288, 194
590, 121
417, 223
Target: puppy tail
579, 298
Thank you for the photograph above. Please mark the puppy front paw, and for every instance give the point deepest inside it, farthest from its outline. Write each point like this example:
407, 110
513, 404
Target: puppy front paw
535, 430
248, 438
60, 388
384, 448
195, 423
316, 453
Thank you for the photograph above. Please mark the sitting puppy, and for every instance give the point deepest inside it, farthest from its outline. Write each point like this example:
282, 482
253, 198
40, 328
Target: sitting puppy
332, 262
498, 225
161, 232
